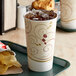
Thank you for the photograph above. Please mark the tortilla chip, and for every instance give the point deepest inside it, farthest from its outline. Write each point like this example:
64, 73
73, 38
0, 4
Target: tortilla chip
13, 70
8, 60
3, 68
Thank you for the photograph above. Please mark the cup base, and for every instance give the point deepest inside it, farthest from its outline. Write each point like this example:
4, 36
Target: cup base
69, 25
40, 66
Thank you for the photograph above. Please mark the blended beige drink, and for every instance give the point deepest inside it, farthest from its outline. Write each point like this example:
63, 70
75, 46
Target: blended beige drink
68, 14
40, 37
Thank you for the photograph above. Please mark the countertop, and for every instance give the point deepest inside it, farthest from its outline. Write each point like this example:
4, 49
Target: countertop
65, 46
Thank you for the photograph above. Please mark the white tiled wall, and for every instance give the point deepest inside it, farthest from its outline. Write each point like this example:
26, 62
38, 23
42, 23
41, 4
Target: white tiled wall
25, 2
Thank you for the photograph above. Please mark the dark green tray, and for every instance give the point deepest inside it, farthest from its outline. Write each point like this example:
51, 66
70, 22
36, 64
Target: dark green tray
57, 0
59, 26
21, 54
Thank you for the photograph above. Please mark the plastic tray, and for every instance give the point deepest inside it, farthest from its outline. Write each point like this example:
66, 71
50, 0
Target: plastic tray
64, 29
57, 0
21, 54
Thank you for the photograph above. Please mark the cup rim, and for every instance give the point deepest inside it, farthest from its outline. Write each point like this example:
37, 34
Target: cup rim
39, 20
